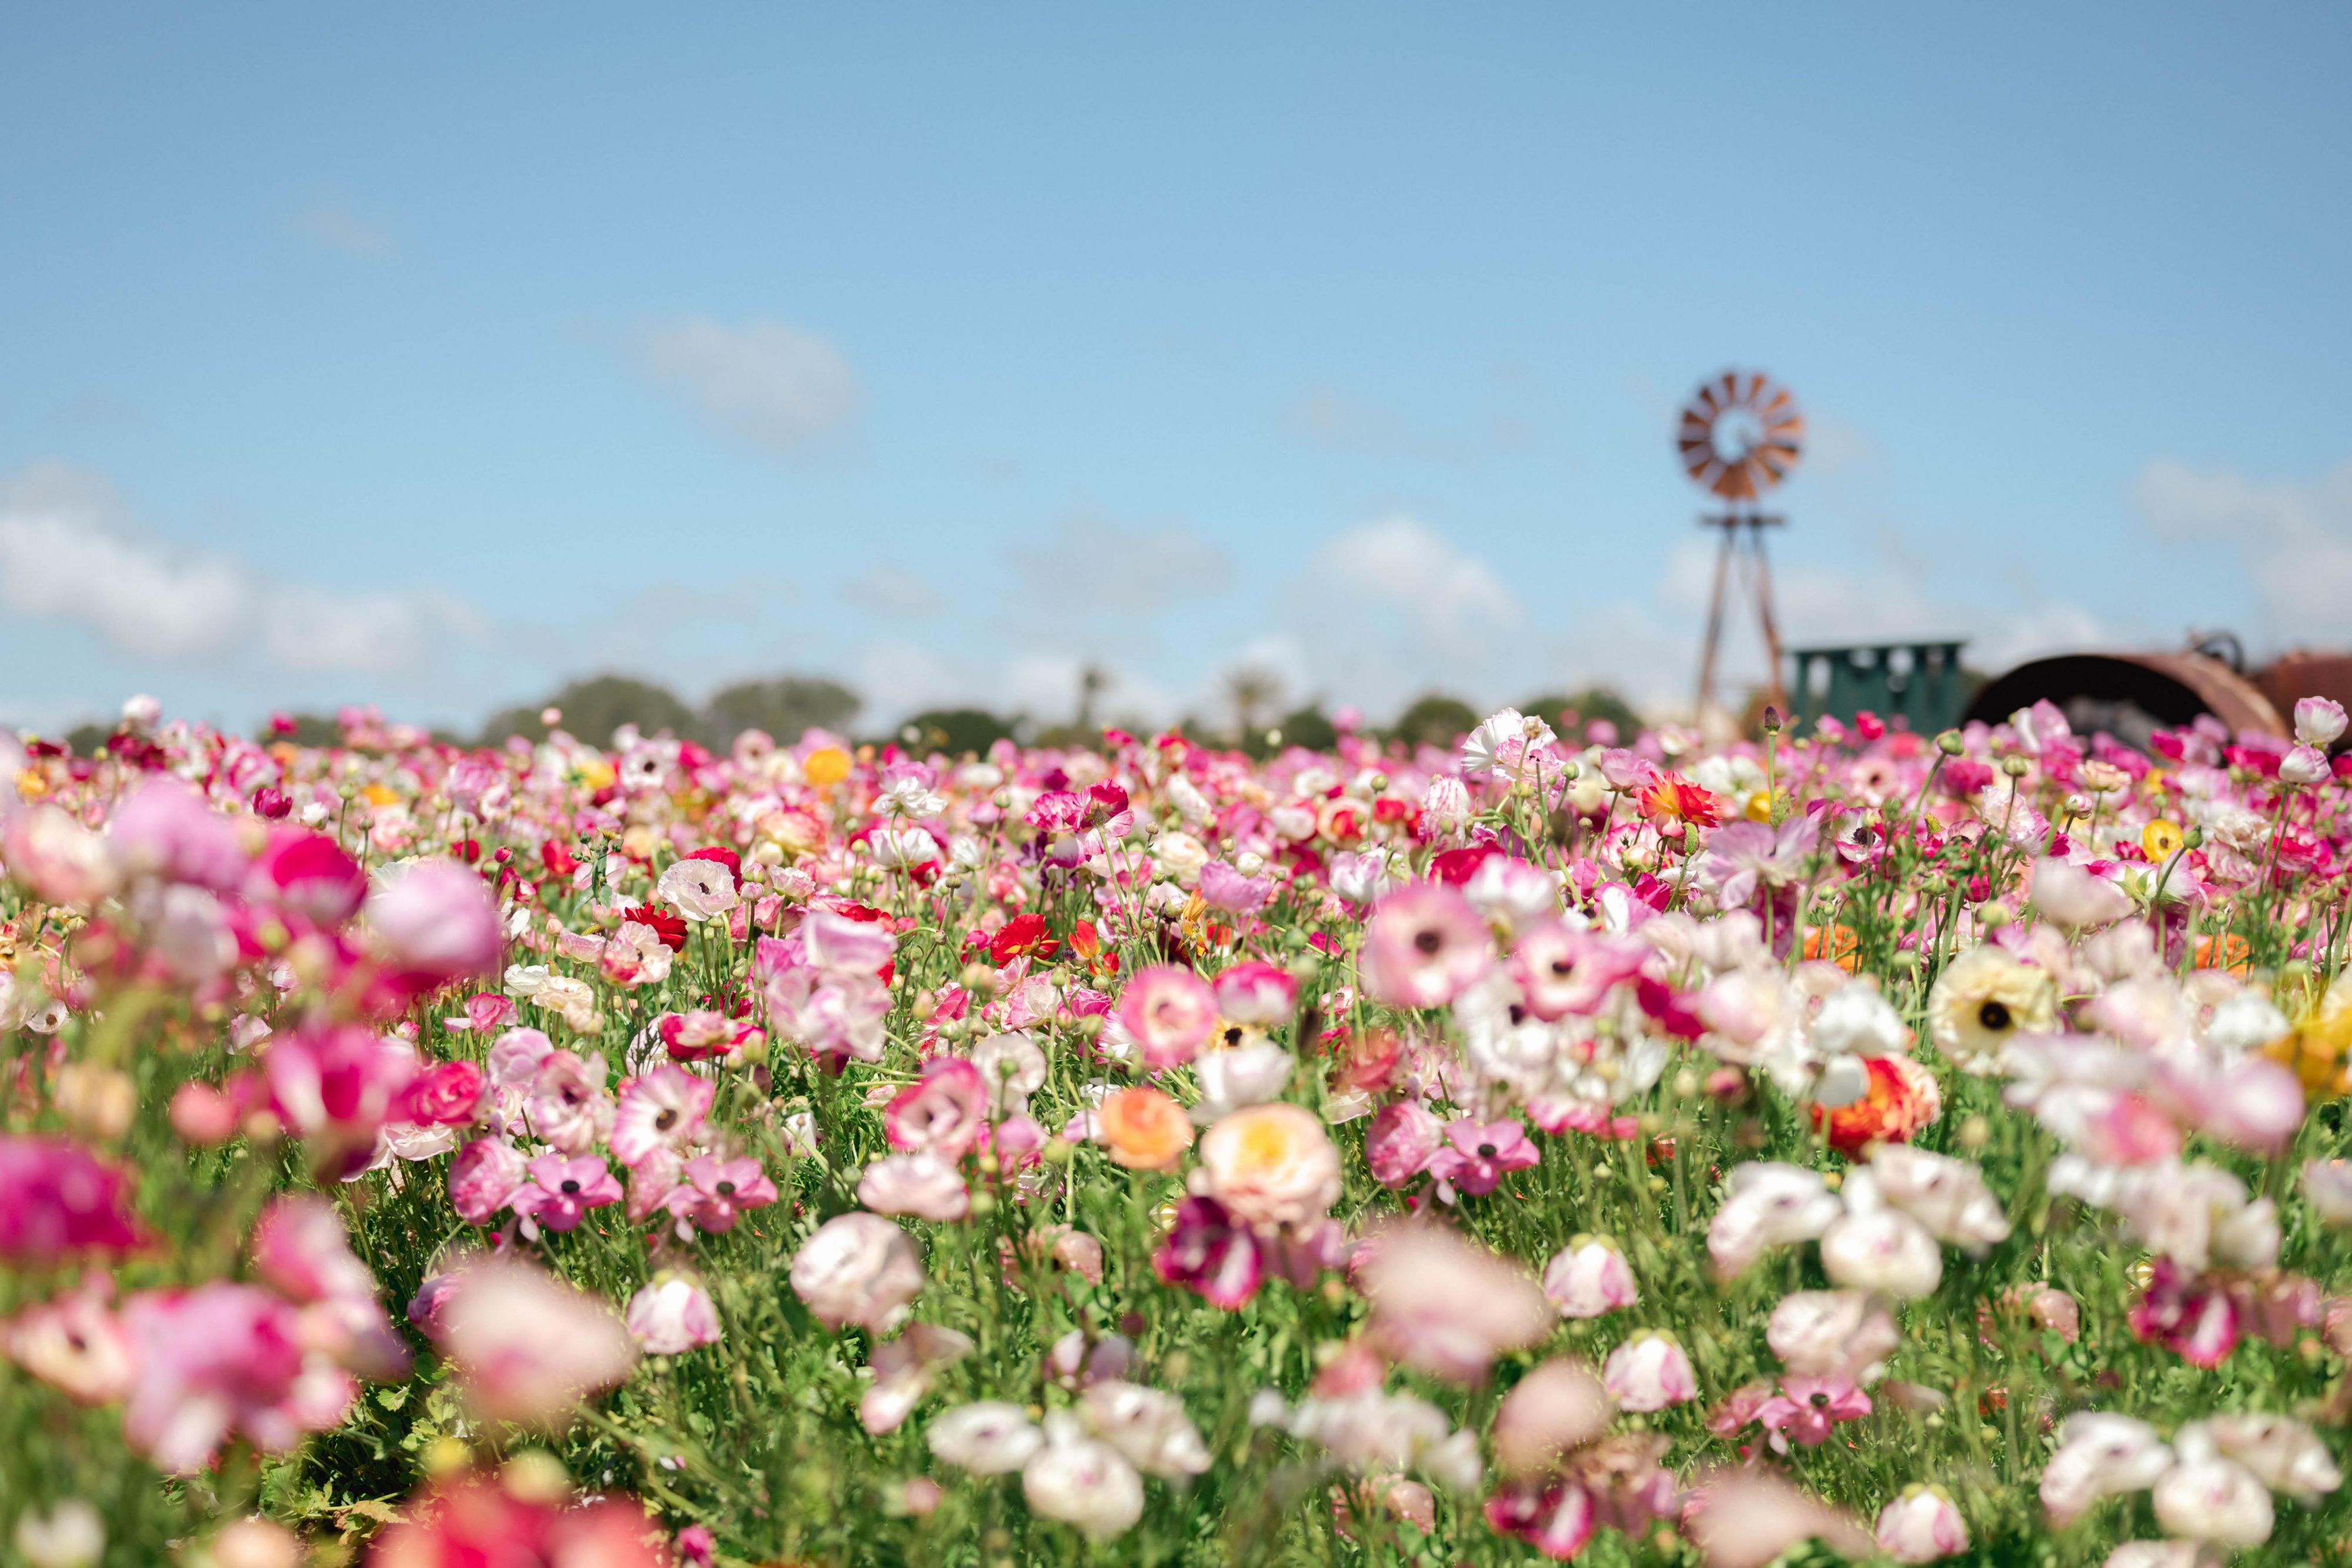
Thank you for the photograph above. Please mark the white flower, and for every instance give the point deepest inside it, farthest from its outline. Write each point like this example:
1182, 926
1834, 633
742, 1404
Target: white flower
1496, 746
1649, 1371
1876, 1247
2328, 1184
1013, 1065
70, 1535
2318, 721
2285, 1455
1245, 1075
2099, 1455
989, 1438
1832, 1333
1946, 1195
1588, 1278
1082, 1480
700, 890
1179, 856
2215, 1500
858, 1269
2304, 765
1855, 1021
1149, 1426
1921, 1526
1768, 1206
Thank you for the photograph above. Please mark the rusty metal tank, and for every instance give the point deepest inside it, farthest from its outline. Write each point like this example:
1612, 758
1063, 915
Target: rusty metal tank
2132, 696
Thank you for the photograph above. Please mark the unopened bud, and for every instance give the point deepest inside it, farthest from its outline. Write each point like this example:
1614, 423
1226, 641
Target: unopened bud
1950, 743
2015, 767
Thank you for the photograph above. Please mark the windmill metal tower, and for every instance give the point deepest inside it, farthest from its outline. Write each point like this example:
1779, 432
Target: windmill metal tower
1740, 437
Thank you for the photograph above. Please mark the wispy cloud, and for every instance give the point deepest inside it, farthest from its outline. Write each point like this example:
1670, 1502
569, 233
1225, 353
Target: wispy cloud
776, 388
2294, 541
335, 223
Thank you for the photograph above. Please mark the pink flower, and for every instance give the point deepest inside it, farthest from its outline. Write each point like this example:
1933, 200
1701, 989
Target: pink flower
1649, 1372
1561, 971
1227, 889
1424, 946
1447, 1305
436, 922
74, 1344
57, 1199
527, 1346
302, 1250
336, 1086
1257, 995
1169, 1012
718, 1190
672, 1315
163, 828
858, 1268
563, 1188
1555, 1515
488, 1011
663, 1109
308, 875
1588, 1278
1402, 1137
568, 1105
922, 1185
2318, 721
1921, 1526
2193, 1319
1209, 1253
1809, 1408
223, 1359
945, 1110
446, 1095
1478, 1154
696, 1036
484, 1177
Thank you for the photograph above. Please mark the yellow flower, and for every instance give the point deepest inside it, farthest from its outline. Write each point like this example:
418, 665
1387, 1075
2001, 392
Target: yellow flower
2160, 838
382, 795
595, 772
2316, 1048
825, 766
1985, 999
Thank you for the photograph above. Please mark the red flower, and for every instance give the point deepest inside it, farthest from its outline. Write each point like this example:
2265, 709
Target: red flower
559, 861
670, 927
1023, 934
1901, 1100
1676, 797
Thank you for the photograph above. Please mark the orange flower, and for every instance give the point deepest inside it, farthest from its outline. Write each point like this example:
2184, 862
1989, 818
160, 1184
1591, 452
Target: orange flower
1838, 944
1675, 797
1902, 1098
827, 764
1145, 1130
2229, 951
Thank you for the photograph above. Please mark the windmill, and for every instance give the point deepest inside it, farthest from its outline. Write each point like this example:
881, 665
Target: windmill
1740, 435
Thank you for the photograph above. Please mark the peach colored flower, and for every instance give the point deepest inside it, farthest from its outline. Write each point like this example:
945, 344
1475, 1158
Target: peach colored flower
1145, 1129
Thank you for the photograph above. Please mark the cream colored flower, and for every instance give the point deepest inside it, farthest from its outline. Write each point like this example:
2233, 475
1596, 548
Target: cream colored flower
1985, 999
1272, 1164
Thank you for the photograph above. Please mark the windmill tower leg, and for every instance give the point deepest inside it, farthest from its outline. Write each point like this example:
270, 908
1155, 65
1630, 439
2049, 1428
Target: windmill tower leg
1764, 615
1714, 623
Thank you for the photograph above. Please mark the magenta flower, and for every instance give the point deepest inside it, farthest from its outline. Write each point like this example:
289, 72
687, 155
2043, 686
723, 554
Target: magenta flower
563, 1188
484, 1177
1478, 1154
337, 1086
57, 1198
945, 1110
2194, 1320
662, 1110
223, 1359
1809, 1408
1424, 946
446, 1095
1402, 1140
1211, 1254
309, 874
716, 1191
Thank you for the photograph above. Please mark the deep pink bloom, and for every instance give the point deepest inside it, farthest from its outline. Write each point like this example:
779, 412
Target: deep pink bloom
1808, 1408
1404, 1136
308, 875
489, 1011
222, 1359
484, 1177
446, 1095
1553, 1515
2195, 1320
1211, 1254
337, 1086
57, 1198
1478, 1154
563, 1188
945, 1110
1424, 946
716, 1191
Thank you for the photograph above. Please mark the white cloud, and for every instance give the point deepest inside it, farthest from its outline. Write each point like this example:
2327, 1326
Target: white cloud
70, 555
2294, 541
1091, 564
772, 386
887, 590
1400, 563
334, 224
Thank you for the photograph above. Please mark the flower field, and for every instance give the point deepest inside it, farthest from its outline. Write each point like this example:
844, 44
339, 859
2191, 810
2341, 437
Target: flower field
1850, 1143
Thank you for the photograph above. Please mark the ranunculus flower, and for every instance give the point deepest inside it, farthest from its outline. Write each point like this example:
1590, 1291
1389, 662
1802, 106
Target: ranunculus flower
988, 1437
1808, 1408
1876, 1247
700, 889
922, 1186
1272, 1164
1478, 1154
1147, 1425
1424, 946
1832, 1333
1588, 1278
1209, 1252
672, 1314
1144, 1129
73, 1342
1923, 1525
1649, 1372
2214, 1500
446, 1095
2099, 1455
220, 1360
1768, 1205
663, 1109
2318, 721
58, 1200
336, 1086
1082, 1480
717, 1190
527, 1346
484, 1177
858, 1269
1169, 1012
1402, 1137
436, 922
1256, 994
563, 1190
1447, 1305
944, 1111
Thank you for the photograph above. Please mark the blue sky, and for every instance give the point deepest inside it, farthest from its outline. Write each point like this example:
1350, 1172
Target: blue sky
428, 356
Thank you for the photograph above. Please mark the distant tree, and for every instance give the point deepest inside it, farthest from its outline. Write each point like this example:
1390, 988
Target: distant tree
1252, 689
1308, 727
594, 708
1593, 702
783, 707
86, 738
1435, 720
313, 729
954, 730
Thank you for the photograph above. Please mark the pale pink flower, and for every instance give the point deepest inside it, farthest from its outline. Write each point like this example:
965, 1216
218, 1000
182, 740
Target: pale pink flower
858, 1268
700, 889
1402, 1137
902, 1374
1589, 1278
222, 1360
163, 828
2214, 1500
1148, 1427
837, 945
922, 1185
2304, 765
484, 1177
1169, 1012
988, 1437
1922, 1525
436, 922
672, 1314
568, 1105
528, 1347
1832, 1333
74, 1344
2318, 721
1447, 1305
1808, 1408
1767, 1205
1557, 1407
1649, 1372
2099, 1455
945, 1110
662, 1110
1423, 945
1082, 1480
